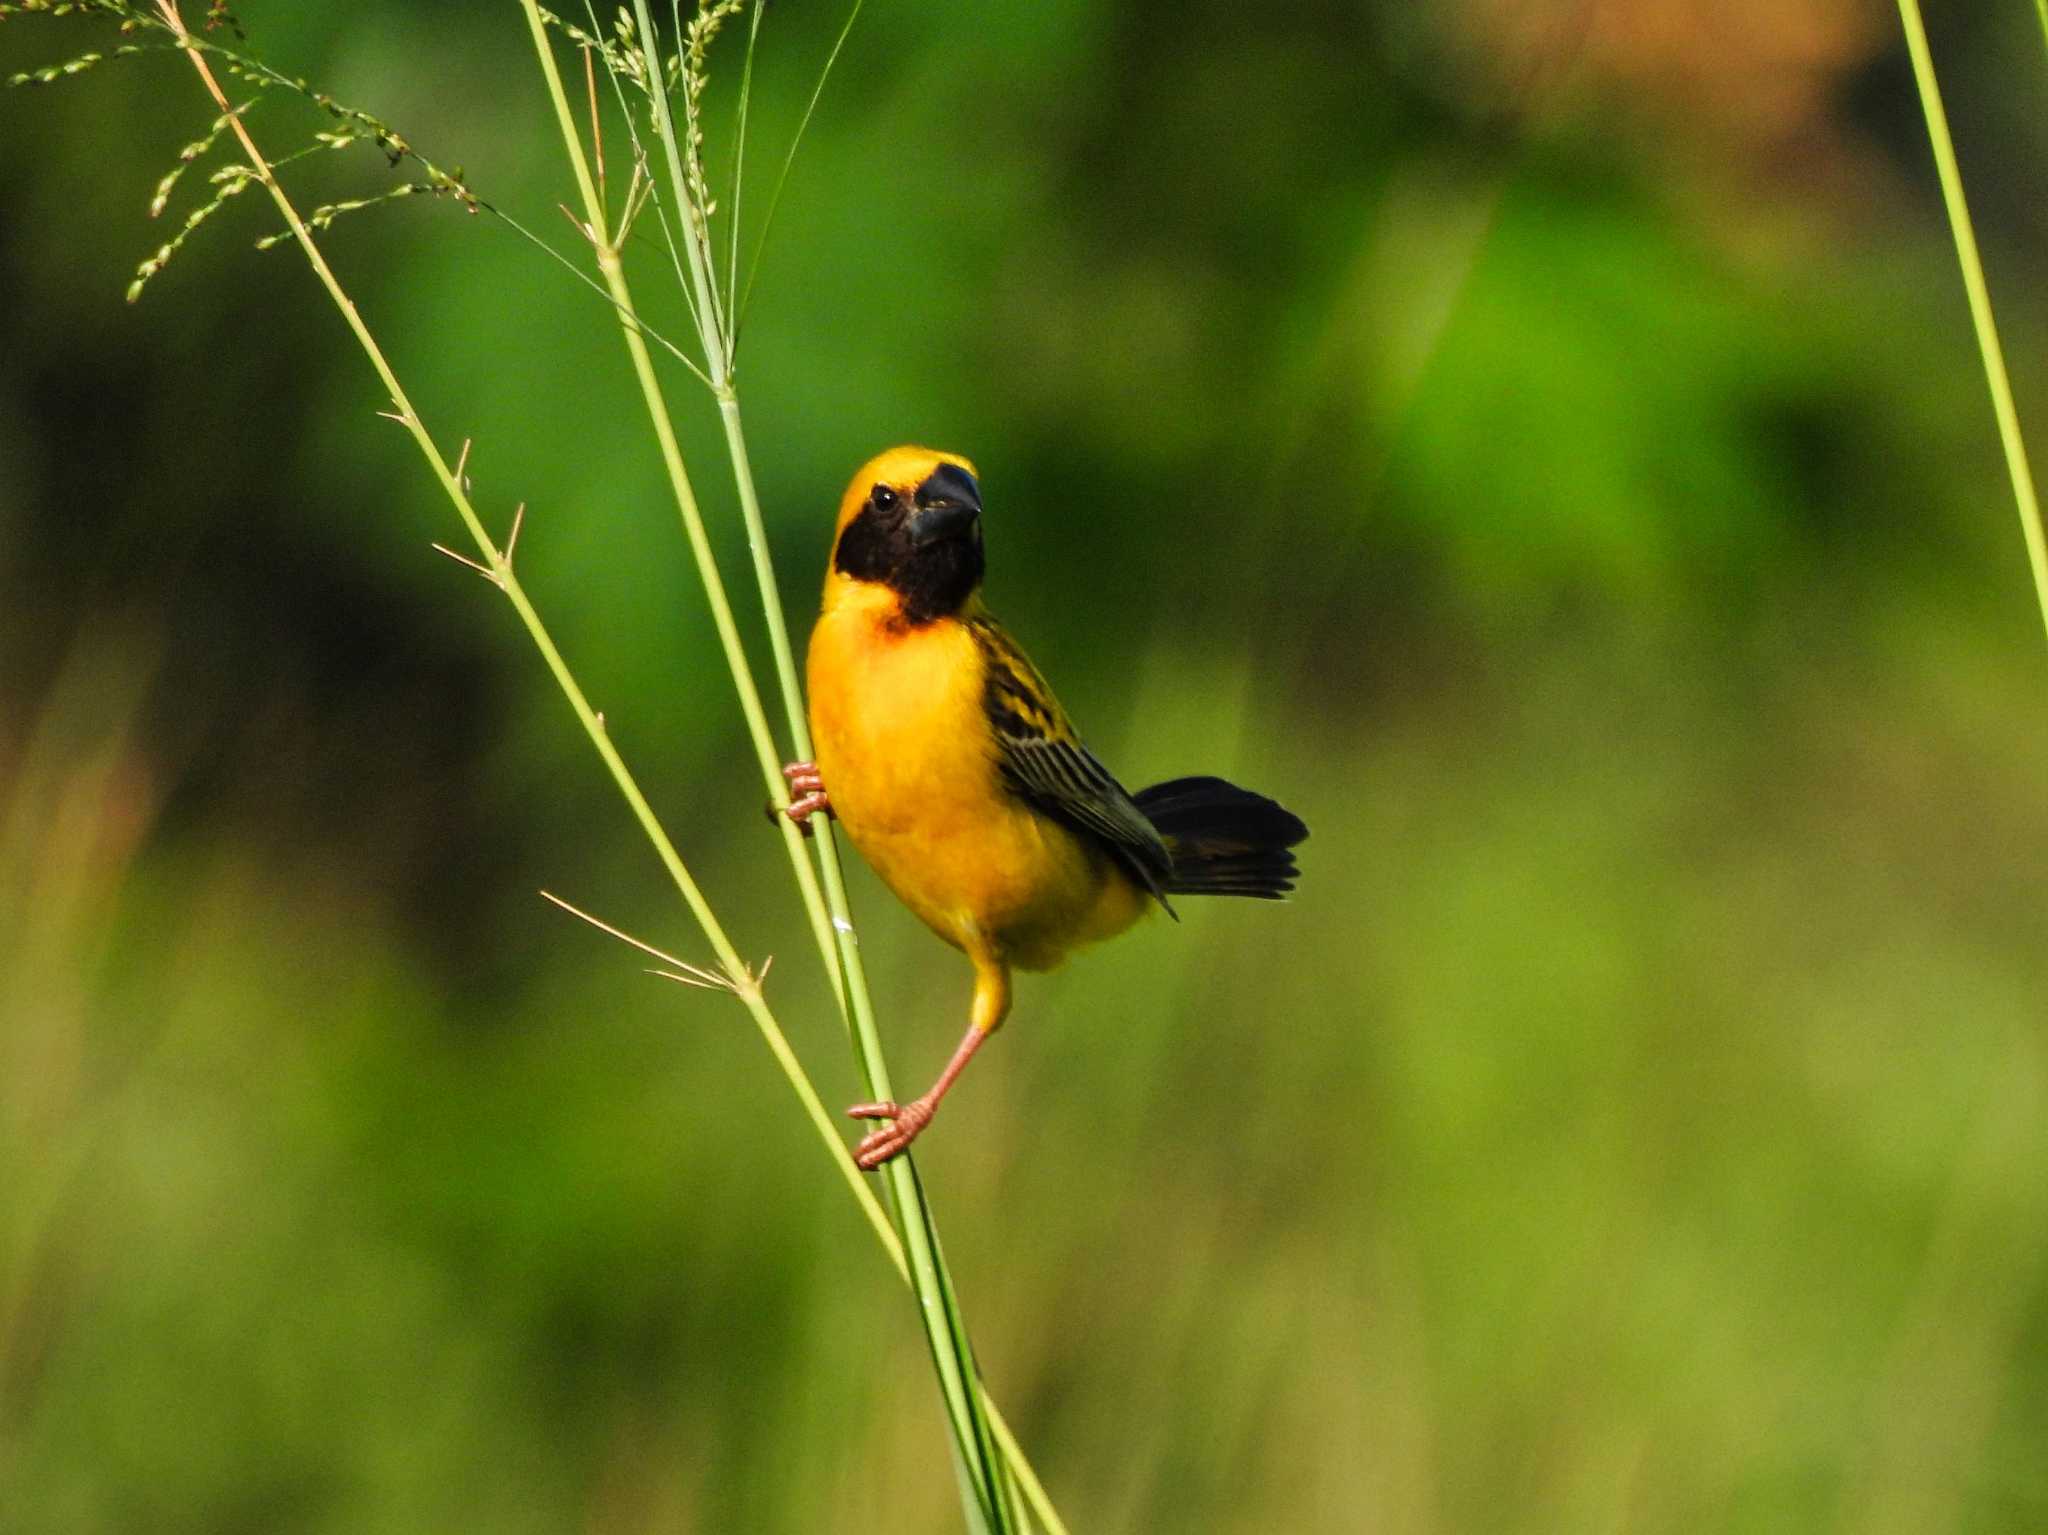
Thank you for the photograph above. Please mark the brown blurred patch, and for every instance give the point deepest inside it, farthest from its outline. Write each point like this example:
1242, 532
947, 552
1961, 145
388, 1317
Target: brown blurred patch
1748, 86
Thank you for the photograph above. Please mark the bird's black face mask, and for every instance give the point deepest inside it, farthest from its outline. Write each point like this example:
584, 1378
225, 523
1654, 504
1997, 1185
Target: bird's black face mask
924, 545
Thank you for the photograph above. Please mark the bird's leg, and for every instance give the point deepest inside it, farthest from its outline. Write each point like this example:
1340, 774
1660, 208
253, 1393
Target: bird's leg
908, 1120
991, 1005
807, 794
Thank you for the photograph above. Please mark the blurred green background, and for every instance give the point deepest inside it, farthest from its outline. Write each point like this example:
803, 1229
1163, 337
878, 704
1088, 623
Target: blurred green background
1540, 443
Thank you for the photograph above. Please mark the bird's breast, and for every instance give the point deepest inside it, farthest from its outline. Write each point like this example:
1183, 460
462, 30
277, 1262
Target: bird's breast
898, 717
904, 746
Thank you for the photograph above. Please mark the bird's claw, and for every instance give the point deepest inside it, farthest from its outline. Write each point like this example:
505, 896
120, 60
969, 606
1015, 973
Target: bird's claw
807, 795
886, 1142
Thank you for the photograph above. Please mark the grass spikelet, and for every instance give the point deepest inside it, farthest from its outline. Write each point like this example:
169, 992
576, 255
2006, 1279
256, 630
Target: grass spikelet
324, 216
50, 74
190, 153
229, 181
703, 29
64, 8
620, 63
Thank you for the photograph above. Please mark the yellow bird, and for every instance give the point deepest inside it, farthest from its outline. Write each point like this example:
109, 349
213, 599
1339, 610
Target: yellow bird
960, 779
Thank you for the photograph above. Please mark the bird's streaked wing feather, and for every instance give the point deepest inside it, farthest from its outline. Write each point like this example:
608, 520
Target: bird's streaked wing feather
1043, 761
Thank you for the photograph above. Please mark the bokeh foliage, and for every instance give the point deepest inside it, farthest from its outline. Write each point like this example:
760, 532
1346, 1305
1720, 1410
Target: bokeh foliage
1548, 456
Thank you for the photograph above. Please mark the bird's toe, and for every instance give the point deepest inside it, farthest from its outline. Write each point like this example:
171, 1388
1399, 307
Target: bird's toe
886, 1142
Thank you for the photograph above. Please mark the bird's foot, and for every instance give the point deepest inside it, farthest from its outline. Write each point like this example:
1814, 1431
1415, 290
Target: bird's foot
891, 1140
807, 794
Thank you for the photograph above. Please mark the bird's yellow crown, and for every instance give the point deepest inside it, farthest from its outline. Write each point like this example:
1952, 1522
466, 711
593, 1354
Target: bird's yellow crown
902, 468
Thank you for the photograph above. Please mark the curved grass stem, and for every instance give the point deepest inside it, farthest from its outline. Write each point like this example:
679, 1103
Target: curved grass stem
496, 565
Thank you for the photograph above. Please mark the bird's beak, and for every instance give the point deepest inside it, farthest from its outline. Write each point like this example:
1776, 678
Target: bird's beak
948, 505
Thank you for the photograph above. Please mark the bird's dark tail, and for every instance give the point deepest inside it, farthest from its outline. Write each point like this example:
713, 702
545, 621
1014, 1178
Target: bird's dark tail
1224, 840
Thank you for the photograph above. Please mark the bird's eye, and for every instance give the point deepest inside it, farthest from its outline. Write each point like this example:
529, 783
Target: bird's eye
884, 499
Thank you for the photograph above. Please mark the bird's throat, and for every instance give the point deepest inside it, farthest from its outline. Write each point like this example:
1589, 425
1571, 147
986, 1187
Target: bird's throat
931, 581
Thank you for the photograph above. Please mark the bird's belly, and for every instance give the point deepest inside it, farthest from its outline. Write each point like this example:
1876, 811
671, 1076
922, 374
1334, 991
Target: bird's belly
992, 879
905, 752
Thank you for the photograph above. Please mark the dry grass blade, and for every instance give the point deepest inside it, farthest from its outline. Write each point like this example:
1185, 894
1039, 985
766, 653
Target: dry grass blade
462, 559
684, 971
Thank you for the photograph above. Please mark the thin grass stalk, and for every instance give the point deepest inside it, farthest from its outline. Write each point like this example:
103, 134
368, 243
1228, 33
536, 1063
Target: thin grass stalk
866, 1034
975, 1450
803, 124
739, 165
1974, 286
497, 567
907, 1190
611, 266
980, 1439
939, 1309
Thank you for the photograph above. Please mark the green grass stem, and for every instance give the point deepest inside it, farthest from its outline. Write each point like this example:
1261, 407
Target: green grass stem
611, 265
981, 1449
1980, 296
938, 1308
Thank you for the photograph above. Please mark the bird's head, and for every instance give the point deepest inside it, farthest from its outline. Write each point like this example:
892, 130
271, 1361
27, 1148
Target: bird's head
910, 524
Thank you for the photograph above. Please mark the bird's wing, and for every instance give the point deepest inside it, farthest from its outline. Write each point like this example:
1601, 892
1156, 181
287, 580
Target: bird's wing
1044, 762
